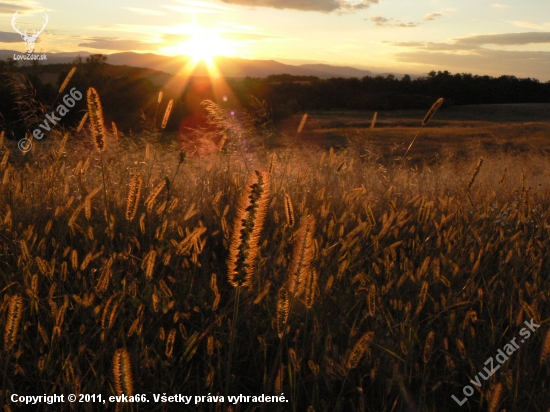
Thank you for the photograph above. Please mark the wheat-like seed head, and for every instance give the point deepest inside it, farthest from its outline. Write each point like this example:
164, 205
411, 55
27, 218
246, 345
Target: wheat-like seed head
373, 123
545, 351
134, 195
122, 373
358, 350
167, 113
432, 111
461, 348
159, 98
289, 211
115, 131
301, 257
150, 201
428, 346
371, 300
494, 400
476, 171
283, 309
310, 288
82, 123
67, 80
279, 380
422, 297
249, 223
170, 343
15, 312
302, 123
97, 123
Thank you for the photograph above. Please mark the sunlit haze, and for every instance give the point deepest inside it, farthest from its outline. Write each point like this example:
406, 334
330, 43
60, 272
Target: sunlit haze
479, 37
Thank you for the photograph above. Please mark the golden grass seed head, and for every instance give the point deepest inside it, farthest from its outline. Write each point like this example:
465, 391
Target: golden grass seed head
371, 300
249, 221
283, 309
170, 343
67, 80
302, 256
289, 211
373, 123
432, 111
428, 347
279, 380
302, 124
358, 350
122, 373
494, 399
13, 320
97, 124
545, 350
167, 113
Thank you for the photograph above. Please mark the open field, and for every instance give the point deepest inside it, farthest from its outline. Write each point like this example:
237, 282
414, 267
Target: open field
458, 131
343, 282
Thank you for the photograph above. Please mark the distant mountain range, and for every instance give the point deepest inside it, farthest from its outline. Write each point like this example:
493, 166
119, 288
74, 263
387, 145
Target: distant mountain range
227, 66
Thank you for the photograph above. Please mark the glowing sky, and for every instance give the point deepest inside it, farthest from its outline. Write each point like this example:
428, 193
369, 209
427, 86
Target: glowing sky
404, 36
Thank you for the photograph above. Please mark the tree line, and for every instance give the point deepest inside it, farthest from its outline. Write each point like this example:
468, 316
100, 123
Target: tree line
129, 96
289, 93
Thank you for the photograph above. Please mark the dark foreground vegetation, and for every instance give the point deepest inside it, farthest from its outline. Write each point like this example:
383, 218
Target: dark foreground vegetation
128, 267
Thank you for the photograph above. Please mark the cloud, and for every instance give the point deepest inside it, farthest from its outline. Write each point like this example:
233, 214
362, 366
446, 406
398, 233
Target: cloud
385, 22
507, 39
475, 42
10, 8
500, 5
432, 16
530, 25
496, 62
192, 9
9, 37
307, 5
433, 46
147, 12
119, 44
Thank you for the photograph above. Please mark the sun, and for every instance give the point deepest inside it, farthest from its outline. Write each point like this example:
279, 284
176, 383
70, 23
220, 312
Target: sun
204, 45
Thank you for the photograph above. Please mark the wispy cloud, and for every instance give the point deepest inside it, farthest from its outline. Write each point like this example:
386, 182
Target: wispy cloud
500, 5
147, 12
308, 5
111, 43
20, 5
385, 22
433, 16
530, 25
10, 37
475, 42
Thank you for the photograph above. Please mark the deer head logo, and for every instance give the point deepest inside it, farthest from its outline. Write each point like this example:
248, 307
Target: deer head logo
26, 38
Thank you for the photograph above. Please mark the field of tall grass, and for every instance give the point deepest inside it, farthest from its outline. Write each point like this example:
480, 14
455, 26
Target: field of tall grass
129, 266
